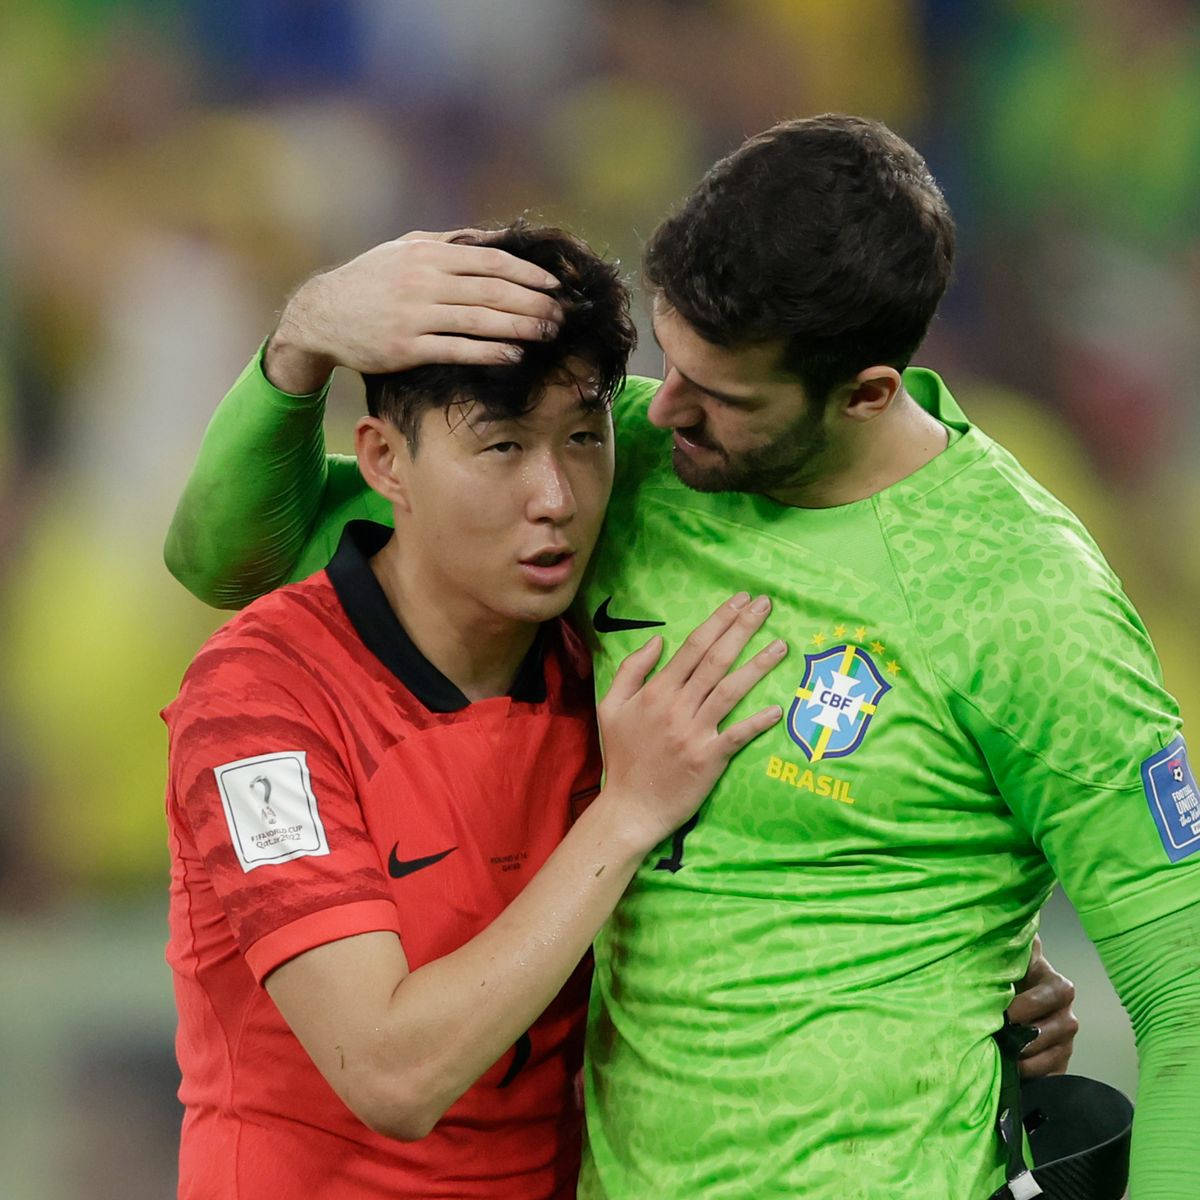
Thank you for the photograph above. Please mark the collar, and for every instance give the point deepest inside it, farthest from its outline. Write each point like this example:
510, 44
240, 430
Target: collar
367, 607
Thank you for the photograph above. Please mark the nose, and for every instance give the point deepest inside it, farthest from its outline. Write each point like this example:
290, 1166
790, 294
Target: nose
551, 497
674, 404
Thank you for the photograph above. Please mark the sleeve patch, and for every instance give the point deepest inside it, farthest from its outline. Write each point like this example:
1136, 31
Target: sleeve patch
271, 809
1174, 799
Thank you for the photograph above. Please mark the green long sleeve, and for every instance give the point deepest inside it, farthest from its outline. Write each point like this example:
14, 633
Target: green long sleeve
253, 495
1155, 969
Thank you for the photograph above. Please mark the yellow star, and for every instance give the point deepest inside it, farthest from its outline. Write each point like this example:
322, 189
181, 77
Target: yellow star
839, 631
878, 647
819, 639
893, 668
860, 634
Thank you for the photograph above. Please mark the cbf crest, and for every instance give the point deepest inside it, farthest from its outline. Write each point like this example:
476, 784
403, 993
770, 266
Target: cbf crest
837, 698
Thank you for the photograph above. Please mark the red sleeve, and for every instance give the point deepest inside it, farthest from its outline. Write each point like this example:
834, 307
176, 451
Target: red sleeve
260, 779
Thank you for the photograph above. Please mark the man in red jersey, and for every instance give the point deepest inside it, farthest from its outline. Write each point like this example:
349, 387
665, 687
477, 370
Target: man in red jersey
385, 869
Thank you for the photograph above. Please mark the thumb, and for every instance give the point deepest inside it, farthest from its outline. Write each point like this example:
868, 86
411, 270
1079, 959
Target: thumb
631, 674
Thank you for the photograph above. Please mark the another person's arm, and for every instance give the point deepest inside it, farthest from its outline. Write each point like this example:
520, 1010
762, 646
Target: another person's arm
260, 480
1044, 1001
398, 1046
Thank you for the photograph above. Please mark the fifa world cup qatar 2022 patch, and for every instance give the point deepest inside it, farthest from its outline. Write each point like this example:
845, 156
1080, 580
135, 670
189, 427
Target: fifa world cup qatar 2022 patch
1174, 799
271, 809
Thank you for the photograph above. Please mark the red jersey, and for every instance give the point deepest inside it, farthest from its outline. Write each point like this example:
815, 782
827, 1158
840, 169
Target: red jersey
327, 780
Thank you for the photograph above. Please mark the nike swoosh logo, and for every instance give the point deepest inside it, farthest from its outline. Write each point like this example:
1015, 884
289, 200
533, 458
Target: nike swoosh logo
398, 868
602, 622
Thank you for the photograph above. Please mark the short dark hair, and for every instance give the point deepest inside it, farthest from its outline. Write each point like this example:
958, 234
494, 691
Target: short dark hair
597, 329
827, 233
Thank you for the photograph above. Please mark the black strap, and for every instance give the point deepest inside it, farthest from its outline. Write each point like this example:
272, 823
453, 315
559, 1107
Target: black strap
1079, 1131
1020, 1183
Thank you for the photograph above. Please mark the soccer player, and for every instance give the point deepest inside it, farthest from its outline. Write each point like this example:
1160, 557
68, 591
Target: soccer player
795, 995
385, 869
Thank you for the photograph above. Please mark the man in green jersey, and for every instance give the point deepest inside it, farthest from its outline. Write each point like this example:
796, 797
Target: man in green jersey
795, 996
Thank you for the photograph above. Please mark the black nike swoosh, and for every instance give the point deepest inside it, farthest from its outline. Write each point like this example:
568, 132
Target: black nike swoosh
603, 623
398, 868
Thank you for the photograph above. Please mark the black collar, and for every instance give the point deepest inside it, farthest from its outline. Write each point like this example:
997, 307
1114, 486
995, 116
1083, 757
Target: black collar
367, 606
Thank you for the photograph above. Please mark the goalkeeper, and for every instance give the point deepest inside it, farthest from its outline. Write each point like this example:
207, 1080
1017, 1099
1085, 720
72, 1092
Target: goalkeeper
796, 993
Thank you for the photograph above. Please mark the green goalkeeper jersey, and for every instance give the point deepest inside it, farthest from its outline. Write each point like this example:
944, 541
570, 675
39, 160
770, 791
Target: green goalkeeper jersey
795, 997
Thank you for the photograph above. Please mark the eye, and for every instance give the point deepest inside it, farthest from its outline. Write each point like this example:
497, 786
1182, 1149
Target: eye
722, 402
503, 447
587, 437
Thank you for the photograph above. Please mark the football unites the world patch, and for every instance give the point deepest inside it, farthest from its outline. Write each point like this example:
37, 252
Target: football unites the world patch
1174, 799
270, 807
836, 701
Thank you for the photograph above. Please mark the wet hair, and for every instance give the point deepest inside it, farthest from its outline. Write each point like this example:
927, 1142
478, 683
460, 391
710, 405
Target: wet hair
597, 330
827, 234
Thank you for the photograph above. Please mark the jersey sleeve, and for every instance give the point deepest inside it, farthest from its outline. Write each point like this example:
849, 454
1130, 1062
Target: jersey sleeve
1156, 972
264, 504
259, 789
253, 494
1084, 743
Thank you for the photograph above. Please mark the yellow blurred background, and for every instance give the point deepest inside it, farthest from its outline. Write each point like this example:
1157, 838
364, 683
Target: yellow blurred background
172, 168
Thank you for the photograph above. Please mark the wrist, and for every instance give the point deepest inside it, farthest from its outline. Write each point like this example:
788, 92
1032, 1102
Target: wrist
625, 826
291, 361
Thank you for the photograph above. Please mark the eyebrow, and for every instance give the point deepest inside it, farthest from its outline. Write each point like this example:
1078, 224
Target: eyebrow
483, 421
725, 397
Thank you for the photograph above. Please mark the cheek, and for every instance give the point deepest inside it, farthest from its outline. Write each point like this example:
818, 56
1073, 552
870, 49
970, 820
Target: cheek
592, 488
459, 509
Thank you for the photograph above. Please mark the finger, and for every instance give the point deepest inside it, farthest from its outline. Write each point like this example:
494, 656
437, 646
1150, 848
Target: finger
729, 691
445, 235
466, 259
1053, 1062
725, 651
1054, 1033
1042, 1000
632, 672
476, 290
743, 732
489, 323
437, 348
697, 643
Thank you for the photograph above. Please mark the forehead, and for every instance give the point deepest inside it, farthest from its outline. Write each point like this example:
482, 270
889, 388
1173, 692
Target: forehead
566, 398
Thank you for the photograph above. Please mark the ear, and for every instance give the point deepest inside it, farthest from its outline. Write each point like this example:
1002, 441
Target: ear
871, 392
384, 459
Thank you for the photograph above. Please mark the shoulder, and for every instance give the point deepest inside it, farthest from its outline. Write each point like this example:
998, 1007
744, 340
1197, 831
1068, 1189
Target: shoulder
271, 646
1020, 613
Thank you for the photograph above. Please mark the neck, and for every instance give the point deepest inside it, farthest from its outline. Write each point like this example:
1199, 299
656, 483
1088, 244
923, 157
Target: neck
880, 452
478, 651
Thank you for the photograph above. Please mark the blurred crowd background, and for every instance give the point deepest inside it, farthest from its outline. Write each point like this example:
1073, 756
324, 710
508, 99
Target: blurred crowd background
172, 168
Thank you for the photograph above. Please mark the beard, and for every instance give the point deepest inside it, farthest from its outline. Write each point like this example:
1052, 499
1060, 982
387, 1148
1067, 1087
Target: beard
793, 458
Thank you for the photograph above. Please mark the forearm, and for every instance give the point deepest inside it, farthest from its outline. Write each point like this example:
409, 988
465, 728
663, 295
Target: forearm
454, 1017
253, 493
1156, 971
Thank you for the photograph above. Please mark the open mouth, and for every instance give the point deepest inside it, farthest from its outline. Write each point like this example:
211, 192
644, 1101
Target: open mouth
550, 558
549, 568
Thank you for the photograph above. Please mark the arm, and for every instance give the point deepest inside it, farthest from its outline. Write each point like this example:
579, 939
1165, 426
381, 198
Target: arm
253, 493
258, 485
1155, 969
400, 1047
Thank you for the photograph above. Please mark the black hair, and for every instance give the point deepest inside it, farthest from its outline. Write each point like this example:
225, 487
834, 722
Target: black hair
827, 234
597, 330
